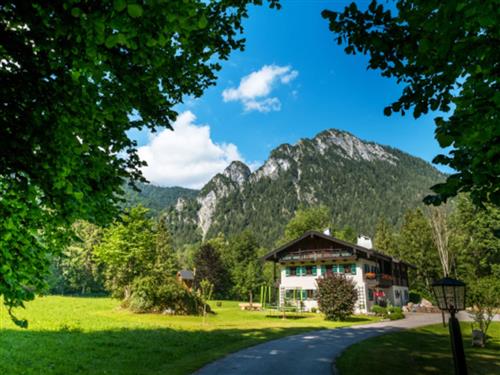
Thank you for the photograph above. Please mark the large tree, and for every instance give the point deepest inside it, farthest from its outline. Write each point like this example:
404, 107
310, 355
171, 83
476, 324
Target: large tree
209, 266
75, 77
445, 55
312, 218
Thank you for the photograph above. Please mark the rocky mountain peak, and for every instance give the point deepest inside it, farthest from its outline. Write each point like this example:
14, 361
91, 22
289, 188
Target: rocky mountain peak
351, 146
237, 172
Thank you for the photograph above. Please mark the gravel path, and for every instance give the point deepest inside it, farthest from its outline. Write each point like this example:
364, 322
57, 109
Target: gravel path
309, 353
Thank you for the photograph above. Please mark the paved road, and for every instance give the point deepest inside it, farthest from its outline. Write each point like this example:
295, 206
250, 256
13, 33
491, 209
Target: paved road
309, 353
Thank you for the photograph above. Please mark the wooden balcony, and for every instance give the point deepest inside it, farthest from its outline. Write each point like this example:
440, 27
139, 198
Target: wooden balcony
380, 279
318, 255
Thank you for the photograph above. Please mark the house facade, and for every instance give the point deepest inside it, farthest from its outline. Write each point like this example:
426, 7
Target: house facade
379, 278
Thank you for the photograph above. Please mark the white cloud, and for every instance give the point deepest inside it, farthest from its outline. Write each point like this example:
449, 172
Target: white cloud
255, 88
186, 156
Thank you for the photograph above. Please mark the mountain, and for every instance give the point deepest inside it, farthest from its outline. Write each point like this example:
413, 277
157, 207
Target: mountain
156, 198
359, 181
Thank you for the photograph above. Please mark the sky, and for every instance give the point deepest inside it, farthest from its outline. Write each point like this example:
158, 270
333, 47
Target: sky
291, 82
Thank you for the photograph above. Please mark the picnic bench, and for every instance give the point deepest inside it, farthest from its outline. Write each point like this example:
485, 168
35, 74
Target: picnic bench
251, 307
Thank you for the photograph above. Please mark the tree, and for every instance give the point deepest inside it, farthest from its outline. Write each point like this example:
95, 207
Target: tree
445, 56
441, 237
75, 78
337, 296
209, 266
484, 299
347, 234
417, 247
474, 239
385, 238
128, 251
246, 269
206, 289
165, 264
78, 265
314, 218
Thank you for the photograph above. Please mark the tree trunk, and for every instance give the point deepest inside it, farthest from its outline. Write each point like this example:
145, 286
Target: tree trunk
251, 299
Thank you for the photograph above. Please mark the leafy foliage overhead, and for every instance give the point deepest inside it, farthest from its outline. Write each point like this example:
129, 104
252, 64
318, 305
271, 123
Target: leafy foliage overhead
446, 56
75, 77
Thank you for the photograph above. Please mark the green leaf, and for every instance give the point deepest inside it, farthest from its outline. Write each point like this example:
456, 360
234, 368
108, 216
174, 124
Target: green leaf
134, 10
119, 5
75, 12
202, 22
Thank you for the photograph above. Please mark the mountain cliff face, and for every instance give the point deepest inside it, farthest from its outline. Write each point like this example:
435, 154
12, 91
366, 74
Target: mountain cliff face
359, 181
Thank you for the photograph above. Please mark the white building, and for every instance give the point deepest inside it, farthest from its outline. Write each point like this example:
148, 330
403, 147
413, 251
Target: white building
378, 277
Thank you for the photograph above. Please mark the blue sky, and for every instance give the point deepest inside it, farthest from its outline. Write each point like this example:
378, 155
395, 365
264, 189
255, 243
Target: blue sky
315, 86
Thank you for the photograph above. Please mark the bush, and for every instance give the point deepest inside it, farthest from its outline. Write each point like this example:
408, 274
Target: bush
379, 310
152, 295
394, 310
337, 296
314, 310
396, 316
415, 297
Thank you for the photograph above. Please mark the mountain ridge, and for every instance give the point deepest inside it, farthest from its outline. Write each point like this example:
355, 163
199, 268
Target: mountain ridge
358, 180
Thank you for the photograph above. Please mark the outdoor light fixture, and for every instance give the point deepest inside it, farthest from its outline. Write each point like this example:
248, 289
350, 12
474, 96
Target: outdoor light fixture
450, 296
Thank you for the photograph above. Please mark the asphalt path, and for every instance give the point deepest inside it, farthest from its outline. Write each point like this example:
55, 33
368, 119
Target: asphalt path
309, 353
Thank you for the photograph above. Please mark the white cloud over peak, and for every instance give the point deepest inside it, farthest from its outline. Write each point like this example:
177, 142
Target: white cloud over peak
254, 89
187, 156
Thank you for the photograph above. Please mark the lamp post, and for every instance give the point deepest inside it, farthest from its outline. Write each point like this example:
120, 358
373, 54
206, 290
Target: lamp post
450, 296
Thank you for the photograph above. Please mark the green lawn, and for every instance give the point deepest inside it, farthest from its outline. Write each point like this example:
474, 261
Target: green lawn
424, 350
94, 336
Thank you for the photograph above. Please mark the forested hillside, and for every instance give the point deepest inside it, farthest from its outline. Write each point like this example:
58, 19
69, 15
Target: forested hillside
156, 198
358, 181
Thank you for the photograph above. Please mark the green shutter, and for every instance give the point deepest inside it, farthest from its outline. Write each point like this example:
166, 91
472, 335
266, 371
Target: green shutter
302, 270
341, 268
335, 268
287, 271
314, 270
353, 269
323, 270
367, 268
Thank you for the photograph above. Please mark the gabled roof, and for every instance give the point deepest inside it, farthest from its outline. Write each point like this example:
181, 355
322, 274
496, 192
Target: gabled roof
312, 233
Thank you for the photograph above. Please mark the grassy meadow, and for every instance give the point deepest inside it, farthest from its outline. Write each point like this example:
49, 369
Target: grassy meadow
423, 350
76, 335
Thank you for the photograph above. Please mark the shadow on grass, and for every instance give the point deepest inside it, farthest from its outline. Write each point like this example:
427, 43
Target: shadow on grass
287, 317
424, 351
123, 351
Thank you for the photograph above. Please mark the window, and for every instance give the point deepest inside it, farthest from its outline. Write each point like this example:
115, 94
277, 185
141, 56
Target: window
341, 268
293, 271
367, 268
309, 271
314, 270
323, 270
311, 294
370, 295
335, 268
287, 271
353, 269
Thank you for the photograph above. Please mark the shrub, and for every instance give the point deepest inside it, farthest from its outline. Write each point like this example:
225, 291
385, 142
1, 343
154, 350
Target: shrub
396, 316
394, 310
337, 296
415, 297
314, 310
152, 295
379, 310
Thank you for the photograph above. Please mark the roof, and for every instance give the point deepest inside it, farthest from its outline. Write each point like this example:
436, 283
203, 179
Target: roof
312, 233
186, 274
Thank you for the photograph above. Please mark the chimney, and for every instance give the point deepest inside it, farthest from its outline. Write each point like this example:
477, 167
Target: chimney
365, 241
327, 231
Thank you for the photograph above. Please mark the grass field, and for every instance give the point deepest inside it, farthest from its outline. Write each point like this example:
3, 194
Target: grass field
420, 351
69, 335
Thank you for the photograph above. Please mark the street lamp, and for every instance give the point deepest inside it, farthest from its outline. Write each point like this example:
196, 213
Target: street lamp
450, 296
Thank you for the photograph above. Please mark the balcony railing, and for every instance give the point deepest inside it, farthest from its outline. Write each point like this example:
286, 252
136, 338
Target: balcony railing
319, 254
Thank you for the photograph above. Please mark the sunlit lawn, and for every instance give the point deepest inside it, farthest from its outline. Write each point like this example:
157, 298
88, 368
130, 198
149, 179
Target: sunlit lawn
420, 351
69, 335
